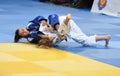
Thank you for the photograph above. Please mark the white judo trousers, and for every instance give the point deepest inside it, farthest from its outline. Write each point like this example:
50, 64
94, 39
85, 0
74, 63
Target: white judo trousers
77, 35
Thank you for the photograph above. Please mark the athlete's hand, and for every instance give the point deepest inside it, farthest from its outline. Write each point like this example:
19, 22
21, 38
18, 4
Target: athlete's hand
62, 37
51, 38
48, 29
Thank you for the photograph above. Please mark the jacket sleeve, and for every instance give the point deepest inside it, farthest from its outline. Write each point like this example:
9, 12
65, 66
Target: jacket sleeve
32, 26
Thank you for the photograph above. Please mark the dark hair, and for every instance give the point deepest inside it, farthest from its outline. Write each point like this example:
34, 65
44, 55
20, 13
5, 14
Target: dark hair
17, 36
45, 42
43, 19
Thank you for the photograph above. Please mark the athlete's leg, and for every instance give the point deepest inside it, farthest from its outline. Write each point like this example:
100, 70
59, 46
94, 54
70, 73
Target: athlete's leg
106, 38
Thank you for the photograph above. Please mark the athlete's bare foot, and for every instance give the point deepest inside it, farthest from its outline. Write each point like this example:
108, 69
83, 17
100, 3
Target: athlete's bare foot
64, 28
68, 17
107, 40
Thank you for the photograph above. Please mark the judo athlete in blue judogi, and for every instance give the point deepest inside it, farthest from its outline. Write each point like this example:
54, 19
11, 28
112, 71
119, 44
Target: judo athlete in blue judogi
40, 24
32, 33
36, 30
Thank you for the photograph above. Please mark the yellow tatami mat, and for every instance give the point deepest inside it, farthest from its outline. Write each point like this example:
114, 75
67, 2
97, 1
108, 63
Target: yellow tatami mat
22, 59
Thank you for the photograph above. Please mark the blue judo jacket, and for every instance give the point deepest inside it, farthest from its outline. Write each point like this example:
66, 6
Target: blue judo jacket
34, 37
34, 24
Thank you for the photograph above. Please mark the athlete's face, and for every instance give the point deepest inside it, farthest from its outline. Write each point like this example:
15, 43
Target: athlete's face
23, 32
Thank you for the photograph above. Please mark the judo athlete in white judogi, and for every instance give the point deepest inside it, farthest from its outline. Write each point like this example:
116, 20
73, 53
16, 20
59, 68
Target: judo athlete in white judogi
66, 26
